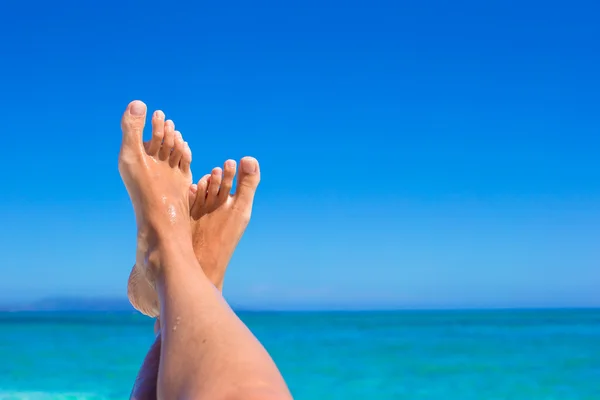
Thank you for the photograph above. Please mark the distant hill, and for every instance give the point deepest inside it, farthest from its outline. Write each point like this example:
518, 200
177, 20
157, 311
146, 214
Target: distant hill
72, 304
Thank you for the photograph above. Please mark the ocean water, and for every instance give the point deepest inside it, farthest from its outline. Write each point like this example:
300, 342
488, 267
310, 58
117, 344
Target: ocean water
483, 355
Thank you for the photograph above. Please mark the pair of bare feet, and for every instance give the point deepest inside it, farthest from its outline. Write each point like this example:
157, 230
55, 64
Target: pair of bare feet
186, 236
217, 218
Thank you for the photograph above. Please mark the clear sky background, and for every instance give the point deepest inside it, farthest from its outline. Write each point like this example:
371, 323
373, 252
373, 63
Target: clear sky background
413, 154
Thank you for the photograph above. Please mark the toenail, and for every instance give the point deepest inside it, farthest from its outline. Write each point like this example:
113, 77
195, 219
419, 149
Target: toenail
249, 167
230, 163
137, 108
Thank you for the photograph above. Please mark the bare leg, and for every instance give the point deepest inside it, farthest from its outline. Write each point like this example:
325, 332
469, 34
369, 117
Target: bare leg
144, 387
218, 221
207, 352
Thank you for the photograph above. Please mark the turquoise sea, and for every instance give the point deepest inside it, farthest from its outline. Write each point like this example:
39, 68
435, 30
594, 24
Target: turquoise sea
455, 355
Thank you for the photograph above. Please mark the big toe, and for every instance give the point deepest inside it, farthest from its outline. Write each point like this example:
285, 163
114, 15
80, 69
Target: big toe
247, 182
132, 124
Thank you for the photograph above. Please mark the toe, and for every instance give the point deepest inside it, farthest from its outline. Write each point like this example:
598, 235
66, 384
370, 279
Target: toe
168, 141
186, 158
213, 187
200, 201
158, 126
227, 183
178, 150
247, 182
132, 125
192, 195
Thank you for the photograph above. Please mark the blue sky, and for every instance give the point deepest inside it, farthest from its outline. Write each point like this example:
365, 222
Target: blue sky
413, 154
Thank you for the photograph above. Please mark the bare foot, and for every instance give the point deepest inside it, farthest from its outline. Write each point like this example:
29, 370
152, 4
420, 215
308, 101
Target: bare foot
158, 178
218, 221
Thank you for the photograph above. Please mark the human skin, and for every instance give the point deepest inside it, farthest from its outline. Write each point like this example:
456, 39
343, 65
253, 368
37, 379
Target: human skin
206, 351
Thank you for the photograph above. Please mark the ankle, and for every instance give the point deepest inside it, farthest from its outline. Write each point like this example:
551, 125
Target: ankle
163, 248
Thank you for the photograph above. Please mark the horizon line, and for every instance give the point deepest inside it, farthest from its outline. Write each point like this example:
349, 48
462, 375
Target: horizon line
316, 310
